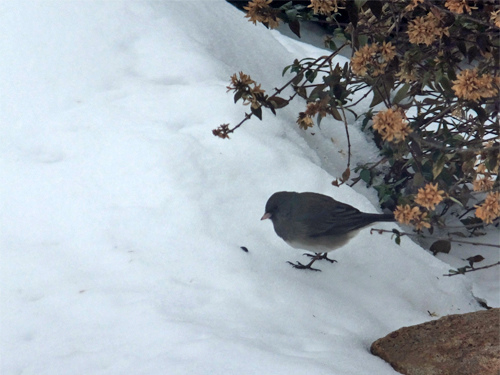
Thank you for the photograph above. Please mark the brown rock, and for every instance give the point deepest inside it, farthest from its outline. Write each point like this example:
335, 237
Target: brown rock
465, 344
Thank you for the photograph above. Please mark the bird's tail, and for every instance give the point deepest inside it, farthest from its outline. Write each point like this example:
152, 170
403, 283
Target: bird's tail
372, 218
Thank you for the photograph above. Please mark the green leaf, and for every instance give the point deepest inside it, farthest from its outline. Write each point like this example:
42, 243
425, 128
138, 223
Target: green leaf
317, 92
472, 53
332, 45
455, 200
301, 91
295, 27
401, 94
462, 48
352, 12
335, 114
338, 90
418, 180
257, 112
311, 75
318, 120
237, 96
438, 166
278, 102
376, 7
377, 98
298, 79
366, 176
359, 3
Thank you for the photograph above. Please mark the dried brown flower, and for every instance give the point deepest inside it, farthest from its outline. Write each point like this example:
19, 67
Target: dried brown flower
459, 6
422, 221
388, 51
470, 86
238, 84
490, 209
412, 216
495, 18
372, 59
483, 183
318, 107
429, 196
413, 5
324, 7
391, 125
406, 72
305, 121
222, 131
260, 11
426, 30
405, 214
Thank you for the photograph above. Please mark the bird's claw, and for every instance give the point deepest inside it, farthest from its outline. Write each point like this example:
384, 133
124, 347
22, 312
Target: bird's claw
301, 266
320, 257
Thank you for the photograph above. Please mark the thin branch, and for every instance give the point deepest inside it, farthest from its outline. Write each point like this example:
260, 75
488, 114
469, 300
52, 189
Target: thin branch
470, 269
327, 59
380, 231
472, 19
348, 138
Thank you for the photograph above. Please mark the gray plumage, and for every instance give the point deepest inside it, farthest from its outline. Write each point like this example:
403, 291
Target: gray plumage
316, 222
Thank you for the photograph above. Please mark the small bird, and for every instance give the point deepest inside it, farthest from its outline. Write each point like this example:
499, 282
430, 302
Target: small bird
316, 222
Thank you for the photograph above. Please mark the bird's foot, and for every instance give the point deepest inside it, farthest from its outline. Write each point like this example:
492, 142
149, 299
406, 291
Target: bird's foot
301, 266
319, 256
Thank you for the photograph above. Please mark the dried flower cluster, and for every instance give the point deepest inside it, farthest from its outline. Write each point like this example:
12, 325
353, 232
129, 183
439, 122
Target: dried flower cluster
324, 7
260, 11
372, 59
413, 5
412, 55
426, 30
495, 18
459, 6
320, 107
484, 180
429, 196
241, 85
222, 131
412, 216
406, 71
490, 209
391, 125
470, 86
305, 121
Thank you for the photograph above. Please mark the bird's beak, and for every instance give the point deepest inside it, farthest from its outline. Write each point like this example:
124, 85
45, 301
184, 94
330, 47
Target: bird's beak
267, 215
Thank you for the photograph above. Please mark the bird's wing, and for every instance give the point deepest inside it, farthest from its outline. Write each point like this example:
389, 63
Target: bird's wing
327, 217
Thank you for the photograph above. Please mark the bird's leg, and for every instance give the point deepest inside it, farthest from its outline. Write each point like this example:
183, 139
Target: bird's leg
320, 256
325, 257
301, 266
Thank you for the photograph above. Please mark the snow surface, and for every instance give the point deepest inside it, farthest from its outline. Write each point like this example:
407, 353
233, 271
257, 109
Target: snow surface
122, 216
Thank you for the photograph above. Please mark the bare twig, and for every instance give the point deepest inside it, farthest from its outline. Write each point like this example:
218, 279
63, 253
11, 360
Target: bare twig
348, 138
470, 269
380, 231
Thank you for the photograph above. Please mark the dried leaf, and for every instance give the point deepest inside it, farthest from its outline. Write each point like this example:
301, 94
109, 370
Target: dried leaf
257, 112
440, 246
295, 27
475, 259
346, 174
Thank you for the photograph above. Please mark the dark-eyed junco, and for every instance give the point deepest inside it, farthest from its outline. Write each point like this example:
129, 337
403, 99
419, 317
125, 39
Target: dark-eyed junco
316, 222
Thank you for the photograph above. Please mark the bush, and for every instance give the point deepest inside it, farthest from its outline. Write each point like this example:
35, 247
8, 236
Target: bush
432, 71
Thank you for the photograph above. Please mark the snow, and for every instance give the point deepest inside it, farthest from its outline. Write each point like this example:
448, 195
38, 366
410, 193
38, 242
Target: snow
123, 216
